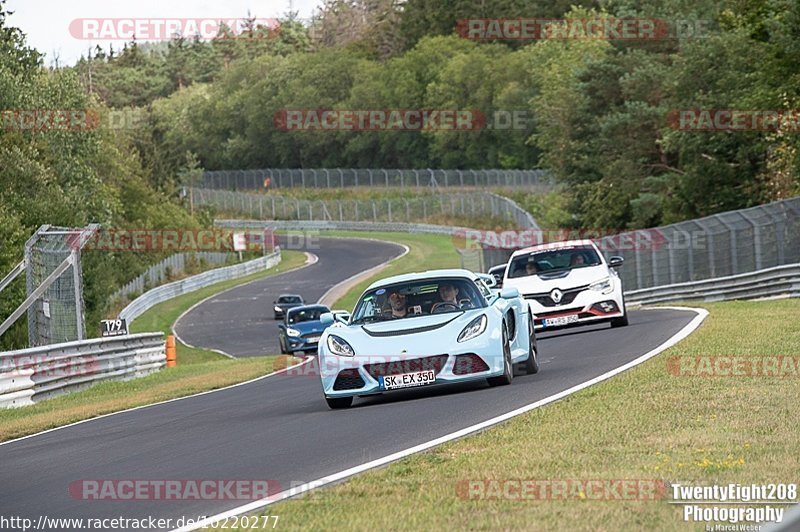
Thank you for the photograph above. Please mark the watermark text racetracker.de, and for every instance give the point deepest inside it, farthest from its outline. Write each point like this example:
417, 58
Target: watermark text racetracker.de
734, 120
609, 240
565, 489
45, 522
72, 120
164, 29
775, 366
414, 120
581, 29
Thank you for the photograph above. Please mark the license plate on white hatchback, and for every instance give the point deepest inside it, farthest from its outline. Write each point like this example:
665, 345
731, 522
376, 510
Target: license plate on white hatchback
560, 320
407, 380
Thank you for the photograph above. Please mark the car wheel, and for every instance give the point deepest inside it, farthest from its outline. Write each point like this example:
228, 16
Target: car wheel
339, 402
508, 369
283, 346
532, 364
620, 322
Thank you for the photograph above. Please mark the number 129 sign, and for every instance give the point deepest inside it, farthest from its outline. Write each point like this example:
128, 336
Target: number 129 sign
118, 327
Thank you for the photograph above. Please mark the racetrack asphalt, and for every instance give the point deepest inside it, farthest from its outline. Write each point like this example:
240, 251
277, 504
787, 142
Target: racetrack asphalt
279, 428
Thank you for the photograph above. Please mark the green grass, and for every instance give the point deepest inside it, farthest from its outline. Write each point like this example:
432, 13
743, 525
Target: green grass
643, 424
197, 370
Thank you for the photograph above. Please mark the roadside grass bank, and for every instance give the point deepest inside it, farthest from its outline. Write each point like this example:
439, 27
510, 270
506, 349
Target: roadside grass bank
198, 370
651, 423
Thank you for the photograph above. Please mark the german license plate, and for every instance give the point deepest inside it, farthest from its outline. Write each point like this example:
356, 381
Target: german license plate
407, 380
560, 320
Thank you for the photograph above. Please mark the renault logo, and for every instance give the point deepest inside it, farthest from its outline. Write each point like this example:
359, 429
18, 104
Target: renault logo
556, 295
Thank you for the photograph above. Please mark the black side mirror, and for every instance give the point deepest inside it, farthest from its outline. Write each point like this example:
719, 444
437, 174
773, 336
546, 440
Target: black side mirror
615, 262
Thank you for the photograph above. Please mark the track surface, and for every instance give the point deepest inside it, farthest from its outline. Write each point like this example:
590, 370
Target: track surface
240, 321
280, 428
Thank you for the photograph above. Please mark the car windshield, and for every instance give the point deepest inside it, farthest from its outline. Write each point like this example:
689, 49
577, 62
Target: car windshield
306, 314
290, 299
417, 298
559, 259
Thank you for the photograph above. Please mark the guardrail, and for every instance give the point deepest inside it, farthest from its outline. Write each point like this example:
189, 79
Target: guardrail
30, 375
770, 282
173, 264
320, 225
176, 288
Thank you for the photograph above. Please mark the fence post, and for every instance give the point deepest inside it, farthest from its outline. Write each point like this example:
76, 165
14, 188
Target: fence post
327, 177
712, 263
756, 239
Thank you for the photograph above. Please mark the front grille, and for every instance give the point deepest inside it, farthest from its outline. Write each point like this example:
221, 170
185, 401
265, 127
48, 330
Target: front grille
398, 367
469, 363
348, 379
567, 297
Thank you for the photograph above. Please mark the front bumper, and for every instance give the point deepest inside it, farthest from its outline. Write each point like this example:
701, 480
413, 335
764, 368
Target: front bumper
295, 344
587, 308
350, 376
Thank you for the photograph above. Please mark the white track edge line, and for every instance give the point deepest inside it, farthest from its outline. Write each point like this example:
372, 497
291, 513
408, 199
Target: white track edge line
255, 505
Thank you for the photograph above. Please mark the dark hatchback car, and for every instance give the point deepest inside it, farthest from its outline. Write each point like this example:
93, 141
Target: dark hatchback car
284, 303
301, 328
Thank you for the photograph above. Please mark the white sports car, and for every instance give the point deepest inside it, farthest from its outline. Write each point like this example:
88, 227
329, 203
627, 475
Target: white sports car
568, 283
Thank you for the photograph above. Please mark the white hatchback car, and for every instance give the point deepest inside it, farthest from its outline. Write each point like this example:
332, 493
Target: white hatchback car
568, 283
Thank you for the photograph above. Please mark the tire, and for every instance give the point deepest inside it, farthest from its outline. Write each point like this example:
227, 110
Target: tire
508, 368
532, 364
620, 322
284, 351
335, 403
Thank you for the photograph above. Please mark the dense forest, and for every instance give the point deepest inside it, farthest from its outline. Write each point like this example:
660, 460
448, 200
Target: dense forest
598, 112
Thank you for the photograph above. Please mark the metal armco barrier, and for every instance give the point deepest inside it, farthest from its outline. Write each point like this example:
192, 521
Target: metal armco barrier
30, 375
170, 290
320, 225
777, 281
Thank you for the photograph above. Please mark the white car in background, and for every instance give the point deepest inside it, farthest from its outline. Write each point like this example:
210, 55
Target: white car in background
568, 283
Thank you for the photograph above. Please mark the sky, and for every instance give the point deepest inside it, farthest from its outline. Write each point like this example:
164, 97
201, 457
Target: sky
47, 22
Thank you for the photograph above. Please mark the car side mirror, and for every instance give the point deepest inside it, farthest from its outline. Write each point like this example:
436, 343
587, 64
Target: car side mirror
509, 293
615, 262
326, 319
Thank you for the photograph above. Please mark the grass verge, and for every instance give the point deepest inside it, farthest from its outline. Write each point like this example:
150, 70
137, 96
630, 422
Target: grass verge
198, 370
646, 424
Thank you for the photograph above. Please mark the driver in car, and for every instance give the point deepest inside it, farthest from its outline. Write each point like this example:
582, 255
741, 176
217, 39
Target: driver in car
448, 293
397, 303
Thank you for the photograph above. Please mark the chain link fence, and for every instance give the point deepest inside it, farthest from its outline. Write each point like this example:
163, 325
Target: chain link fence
720, 245
54, 278
724, 244
352, 177
391, 210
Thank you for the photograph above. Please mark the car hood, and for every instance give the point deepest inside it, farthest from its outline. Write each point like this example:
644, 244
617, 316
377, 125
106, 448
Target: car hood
411, 325
544, 282
287, 306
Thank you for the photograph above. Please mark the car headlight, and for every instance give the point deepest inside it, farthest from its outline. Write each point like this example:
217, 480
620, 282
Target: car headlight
340, 347
277, 309
294, 333
473, 329
603, 285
